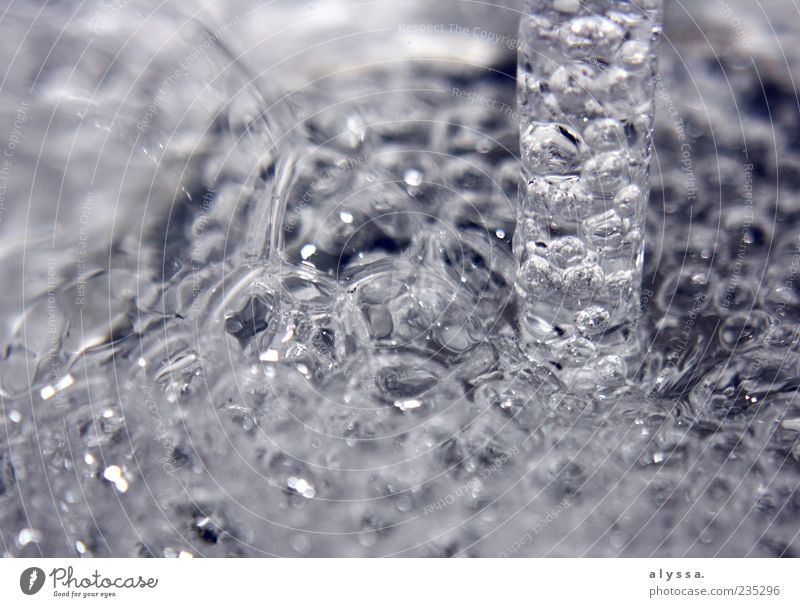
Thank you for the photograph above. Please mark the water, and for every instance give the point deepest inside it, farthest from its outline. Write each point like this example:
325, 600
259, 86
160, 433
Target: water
585, 89
273, 310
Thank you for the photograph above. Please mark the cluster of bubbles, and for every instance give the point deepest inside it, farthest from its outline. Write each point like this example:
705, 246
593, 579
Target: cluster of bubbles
312, 346
585, 87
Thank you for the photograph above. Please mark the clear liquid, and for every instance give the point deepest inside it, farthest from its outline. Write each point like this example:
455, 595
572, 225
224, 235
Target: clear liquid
300, 338
585, 89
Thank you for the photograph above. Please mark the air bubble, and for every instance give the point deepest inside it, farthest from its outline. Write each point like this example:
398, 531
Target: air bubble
607, 172
604, 230
605, 134
618, 285
590, 36
566, 251
538, 278
633, 55
551, 149
592, 321
611, 371
584, 280
565, 198
628, 201
574, 352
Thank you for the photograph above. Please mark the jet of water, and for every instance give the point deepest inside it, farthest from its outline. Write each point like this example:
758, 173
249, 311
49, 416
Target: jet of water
585, 90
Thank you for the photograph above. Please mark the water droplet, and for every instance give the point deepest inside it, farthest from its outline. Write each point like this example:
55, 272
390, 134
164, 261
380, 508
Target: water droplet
413, 177
408, 405
301, 486
307, 251
59, 386
28, 536
269, 356
113, 474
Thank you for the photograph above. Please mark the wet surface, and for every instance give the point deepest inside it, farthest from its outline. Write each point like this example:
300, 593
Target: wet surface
255, 310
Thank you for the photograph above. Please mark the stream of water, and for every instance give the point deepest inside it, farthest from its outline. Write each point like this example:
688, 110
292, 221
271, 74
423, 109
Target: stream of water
260, 290
586, 96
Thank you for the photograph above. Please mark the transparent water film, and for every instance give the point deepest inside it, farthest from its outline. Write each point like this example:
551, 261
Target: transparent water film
585, 88
264, 305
